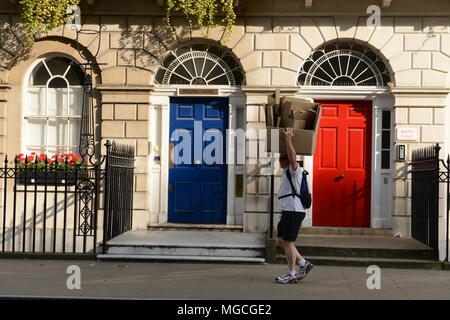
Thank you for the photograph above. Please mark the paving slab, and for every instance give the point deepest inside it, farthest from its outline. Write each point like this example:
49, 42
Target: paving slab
137, 280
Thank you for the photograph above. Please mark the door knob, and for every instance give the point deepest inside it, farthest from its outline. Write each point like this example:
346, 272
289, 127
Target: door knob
341, 176
197, 162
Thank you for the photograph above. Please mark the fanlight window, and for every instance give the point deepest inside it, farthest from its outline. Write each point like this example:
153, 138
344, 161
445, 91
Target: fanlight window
53, 106
200, 64
343, 64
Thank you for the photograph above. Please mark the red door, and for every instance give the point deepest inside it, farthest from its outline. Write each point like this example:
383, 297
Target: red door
341, 192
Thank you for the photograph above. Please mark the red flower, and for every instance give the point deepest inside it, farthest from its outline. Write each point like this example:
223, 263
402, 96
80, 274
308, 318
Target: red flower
30, 158
20, 155
72, 163
42, 157
51, 161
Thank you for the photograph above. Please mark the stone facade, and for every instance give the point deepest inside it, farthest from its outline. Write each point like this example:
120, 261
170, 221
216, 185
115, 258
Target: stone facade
271, 40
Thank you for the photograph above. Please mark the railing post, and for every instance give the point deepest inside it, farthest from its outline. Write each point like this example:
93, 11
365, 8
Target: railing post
448, 208
106, 213
437, 148
5, 186
271, 204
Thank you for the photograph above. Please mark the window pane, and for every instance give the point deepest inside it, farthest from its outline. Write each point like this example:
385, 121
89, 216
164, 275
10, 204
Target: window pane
75, 76
54, 150
58, 65
74, 127
74, 150
38, 150
386, 140
75, 101
57, 132
57, 83
36, 101
385, 159
36, 132
56, 101
39, 75
386, 122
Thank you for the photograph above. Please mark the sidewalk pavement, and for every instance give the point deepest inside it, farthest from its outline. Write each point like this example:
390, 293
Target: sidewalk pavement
149, 280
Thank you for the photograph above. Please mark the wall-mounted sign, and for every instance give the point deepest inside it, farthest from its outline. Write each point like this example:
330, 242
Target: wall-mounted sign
198, 92
409, 134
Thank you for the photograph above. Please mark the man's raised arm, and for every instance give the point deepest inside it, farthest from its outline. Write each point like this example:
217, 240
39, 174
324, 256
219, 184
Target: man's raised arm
289, 134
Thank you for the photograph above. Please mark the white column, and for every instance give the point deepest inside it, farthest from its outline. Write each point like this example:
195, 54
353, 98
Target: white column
230, 148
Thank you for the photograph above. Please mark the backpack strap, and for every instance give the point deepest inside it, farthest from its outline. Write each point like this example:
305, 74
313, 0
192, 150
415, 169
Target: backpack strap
294, 192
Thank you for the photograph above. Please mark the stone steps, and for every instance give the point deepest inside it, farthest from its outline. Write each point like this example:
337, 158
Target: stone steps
201, 246
180, 258
194, 227
362, 251
346, 231
420, 254
365, 262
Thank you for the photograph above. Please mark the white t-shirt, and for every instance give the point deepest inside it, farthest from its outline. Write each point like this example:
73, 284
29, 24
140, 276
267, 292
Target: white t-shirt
291, 203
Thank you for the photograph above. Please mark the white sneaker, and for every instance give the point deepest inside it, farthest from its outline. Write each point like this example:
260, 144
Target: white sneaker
303, 272
287, 278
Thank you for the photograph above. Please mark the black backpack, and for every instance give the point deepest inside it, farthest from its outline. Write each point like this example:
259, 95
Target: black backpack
305, 195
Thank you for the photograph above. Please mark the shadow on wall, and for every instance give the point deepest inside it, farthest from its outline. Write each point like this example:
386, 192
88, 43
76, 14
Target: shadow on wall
144, 42
13, 47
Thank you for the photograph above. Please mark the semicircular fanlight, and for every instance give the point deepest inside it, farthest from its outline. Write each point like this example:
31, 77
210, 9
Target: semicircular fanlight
193, 65
343, 64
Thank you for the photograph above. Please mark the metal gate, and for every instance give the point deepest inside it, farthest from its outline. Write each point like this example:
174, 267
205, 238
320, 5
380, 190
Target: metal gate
119, 178
426, 176
52, 205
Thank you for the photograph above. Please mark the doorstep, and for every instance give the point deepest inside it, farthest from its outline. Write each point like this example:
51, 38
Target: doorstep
194, 227
182, 245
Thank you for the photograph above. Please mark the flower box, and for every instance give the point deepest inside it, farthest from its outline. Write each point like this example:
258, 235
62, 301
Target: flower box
50, 177
60, 169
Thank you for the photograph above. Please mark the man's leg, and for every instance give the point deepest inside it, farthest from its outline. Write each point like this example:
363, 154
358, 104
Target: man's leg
292, 257
298, 256
288, 252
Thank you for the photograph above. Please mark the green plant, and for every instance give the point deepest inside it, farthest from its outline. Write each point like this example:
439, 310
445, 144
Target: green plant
59, 161
40, 16
202, 14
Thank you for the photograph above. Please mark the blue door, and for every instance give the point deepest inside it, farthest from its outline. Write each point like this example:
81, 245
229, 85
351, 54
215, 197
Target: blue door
197, 170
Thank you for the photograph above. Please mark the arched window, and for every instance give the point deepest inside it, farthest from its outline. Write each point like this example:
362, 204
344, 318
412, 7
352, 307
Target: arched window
53, 106
343, 63
200, 64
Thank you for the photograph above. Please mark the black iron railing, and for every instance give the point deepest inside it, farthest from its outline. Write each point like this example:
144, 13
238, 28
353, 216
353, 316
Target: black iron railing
426, 176
54, 209
118, 191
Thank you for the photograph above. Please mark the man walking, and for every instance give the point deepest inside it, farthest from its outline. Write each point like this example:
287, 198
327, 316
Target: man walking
292, 214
